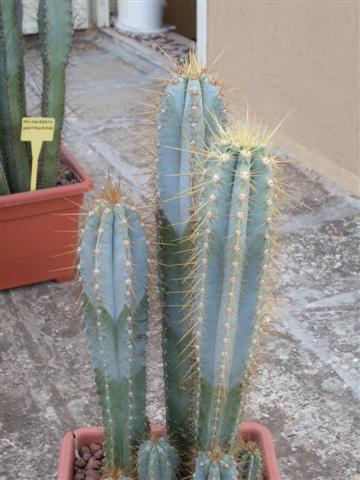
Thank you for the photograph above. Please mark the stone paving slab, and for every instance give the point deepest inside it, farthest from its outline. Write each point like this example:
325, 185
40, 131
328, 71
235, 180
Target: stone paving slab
305, 387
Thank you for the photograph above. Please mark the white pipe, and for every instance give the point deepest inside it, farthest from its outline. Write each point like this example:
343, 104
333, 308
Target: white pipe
201, 30
100, 10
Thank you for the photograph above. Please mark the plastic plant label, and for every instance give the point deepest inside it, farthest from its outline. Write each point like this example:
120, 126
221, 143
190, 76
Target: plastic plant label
36, 130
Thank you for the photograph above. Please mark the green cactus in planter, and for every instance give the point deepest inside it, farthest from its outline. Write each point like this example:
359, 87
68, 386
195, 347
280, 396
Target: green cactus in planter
55, 41
15, 162
55, 32
215, 234
4, 187
190, 111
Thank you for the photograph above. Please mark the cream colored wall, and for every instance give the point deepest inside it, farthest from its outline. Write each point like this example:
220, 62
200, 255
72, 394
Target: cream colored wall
301, 58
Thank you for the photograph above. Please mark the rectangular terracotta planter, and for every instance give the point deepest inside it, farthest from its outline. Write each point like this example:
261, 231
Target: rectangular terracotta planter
38, 231
84, 436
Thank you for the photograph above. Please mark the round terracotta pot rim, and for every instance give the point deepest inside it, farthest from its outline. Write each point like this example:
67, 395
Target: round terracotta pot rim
84, 184
247, 431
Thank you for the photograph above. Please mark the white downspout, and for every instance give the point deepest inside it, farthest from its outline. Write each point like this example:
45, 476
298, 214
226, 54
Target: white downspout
100, 13
201, 30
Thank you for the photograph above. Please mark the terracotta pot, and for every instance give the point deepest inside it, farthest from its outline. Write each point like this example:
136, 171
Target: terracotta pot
39, 231
85, 436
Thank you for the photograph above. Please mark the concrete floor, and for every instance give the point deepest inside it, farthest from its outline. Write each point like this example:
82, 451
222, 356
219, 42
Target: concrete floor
306, 383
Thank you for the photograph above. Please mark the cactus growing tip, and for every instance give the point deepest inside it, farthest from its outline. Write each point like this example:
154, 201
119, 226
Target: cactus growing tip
243, 136
112, 193
191, 67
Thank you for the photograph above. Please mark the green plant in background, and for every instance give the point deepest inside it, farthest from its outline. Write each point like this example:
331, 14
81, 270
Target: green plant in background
4, 187
191, 109
15, 160
55, 41
55, 31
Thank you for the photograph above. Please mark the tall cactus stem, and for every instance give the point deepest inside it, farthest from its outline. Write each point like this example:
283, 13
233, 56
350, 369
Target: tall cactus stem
259, 243
188, 107
232, 237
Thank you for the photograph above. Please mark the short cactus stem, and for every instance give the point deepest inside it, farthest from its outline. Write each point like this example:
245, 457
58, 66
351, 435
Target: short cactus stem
250, 463
157, 459
215, 467
113, 268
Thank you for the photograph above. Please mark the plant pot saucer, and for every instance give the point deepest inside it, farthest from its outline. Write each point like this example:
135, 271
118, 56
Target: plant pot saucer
85, 436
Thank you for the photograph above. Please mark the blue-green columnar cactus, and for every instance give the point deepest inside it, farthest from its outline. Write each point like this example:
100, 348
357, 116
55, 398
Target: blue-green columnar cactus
114, 268
190, 111
55, 33
15, 160
235, 206
157, 460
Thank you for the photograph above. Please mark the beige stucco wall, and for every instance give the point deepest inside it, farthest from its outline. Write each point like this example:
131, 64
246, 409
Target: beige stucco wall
299, 58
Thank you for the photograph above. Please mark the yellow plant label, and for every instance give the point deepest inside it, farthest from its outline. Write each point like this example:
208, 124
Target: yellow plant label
36, 130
